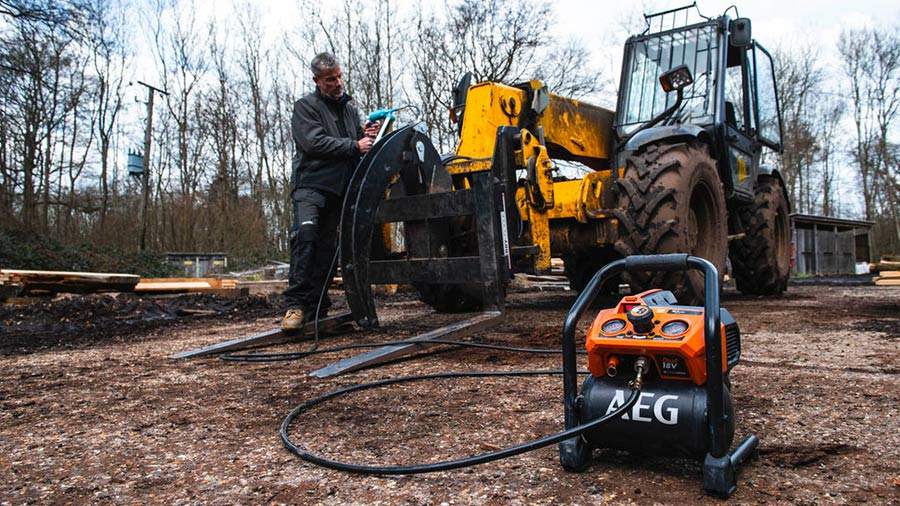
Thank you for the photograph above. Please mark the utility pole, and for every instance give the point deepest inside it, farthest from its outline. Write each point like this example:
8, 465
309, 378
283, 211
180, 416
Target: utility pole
145, 170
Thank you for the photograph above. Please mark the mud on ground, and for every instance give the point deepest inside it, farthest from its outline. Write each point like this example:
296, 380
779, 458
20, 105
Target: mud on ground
112, 419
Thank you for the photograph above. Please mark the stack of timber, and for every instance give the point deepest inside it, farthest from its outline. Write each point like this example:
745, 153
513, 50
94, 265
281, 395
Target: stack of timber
888, 272
888, 278
279, 285
557, 267
264, 286
214, 286
538, 283
22, 282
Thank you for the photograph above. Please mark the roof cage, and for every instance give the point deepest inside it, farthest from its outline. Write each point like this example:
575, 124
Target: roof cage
673, 18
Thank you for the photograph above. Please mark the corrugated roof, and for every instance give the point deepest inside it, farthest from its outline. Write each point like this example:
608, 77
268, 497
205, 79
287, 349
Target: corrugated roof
810, 219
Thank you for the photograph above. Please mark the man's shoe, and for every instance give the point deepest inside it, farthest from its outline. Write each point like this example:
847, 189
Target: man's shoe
293, 320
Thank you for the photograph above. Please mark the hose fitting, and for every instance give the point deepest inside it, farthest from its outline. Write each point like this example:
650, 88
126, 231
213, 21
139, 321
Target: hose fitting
640, 367
612, 366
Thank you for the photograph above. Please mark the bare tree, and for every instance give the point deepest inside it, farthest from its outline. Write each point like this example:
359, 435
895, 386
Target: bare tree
871, 63
106, 20
36, 63
799, 83
831, 114
182, 62
220, 125
507, 42
251, 62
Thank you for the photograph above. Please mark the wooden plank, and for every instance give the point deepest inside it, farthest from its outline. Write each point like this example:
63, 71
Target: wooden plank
885, 265
221, 292
268, 337
269, 286
889, 274
215, 286
211, 282
384, 354
888, 282
176, 286
266, 282
67, 281
97, 276
539, 278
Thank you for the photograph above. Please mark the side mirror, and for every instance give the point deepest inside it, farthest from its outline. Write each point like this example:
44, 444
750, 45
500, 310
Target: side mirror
671, 80
740, 32
676, 79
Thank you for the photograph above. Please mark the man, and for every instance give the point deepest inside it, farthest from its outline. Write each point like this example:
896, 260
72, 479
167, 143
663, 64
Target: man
328, 142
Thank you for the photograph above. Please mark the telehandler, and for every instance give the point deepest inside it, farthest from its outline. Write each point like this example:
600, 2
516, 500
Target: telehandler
675, 169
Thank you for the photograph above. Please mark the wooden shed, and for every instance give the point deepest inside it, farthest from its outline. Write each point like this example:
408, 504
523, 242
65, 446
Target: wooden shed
824, 245
198, 265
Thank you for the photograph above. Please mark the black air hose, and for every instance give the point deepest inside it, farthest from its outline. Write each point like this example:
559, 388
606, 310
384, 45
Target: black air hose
448, 464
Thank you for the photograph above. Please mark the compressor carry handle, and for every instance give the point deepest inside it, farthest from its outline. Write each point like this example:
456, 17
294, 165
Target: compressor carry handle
712, 333
666, 262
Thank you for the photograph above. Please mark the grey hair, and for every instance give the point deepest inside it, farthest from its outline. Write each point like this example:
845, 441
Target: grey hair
323, 62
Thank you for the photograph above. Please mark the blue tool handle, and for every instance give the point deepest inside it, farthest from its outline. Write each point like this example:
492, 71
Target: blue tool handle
381, 114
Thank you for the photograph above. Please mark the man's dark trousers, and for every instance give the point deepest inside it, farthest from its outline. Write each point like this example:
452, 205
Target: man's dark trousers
317, 215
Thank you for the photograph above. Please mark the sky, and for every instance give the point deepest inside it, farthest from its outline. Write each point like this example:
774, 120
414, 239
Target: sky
604, 25
774, 22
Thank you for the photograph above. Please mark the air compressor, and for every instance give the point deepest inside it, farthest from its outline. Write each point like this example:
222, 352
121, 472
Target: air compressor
658, 383
682, 356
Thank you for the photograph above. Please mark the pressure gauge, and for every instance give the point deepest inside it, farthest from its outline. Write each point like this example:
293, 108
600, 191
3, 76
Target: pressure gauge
674, 328
613, 326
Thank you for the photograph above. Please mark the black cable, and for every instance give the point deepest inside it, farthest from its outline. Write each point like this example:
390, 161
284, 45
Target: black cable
325, 286
296, 355
448, 464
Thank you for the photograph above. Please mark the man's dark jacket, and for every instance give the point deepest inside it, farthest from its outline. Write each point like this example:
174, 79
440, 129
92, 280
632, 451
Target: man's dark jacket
325, 151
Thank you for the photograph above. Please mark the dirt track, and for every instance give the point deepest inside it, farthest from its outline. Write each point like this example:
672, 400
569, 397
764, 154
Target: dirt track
113, 419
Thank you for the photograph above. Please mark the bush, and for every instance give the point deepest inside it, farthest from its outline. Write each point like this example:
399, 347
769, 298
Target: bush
28, 250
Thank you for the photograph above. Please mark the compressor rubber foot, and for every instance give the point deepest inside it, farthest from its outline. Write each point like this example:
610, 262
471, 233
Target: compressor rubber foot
574, 455
720, 473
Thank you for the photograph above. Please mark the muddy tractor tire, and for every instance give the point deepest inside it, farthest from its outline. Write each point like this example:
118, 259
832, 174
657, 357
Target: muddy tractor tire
579, 270
454, 298
670, 200
447, 298
761, 260
581, 266
461, 297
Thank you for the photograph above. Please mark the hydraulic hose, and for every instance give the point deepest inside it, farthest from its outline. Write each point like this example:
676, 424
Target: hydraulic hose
447, 464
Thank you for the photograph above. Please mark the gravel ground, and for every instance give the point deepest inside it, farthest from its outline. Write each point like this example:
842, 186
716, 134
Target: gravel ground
102, 418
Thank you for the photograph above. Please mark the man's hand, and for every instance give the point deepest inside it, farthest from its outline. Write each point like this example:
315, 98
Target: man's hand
364, 145
372, 128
